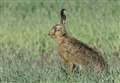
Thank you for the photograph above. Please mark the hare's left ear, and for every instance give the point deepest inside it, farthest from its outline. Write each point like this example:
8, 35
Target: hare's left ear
63, 16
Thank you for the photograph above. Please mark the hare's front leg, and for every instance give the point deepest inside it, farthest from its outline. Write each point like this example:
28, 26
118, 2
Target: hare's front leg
72, 67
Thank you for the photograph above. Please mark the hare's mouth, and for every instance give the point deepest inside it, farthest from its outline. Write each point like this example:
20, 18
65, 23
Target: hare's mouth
51, 35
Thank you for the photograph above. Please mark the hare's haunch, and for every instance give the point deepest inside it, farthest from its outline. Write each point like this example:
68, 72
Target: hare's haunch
73, 51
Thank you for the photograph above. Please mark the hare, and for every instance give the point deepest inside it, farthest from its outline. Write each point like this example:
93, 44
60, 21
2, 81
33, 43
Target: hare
74, 52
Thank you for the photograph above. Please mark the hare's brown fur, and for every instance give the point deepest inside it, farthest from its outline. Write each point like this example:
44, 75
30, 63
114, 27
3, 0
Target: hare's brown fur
73, 51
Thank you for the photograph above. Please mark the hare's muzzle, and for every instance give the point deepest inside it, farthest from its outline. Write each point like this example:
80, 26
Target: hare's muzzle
49, 34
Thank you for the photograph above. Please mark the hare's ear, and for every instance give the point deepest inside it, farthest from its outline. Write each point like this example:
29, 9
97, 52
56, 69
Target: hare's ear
63, 16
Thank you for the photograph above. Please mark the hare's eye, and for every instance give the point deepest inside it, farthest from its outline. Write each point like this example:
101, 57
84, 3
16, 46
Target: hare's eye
58, 30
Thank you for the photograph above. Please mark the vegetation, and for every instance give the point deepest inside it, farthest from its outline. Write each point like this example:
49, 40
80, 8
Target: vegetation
28, 54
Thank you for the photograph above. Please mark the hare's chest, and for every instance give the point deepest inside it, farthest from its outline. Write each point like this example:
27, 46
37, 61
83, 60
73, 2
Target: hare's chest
66, 51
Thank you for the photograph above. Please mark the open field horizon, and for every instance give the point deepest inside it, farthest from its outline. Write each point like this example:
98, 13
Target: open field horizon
29, 55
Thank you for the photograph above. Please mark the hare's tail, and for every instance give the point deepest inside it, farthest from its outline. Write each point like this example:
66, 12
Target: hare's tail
104, 64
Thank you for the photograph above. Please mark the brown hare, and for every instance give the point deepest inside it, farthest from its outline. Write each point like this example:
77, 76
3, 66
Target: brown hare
73, 51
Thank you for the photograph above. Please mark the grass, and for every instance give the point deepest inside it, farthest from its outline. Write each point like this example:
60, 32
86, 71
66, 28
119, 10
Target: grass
28, 55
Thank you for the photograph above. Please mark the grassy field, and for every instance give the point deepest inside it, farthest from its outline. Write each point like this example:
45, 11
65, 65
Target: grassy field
28, 54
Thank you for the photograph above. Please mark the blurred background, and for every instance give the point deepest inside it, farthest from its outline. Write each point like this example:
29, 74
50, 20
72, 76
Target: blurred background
29, 55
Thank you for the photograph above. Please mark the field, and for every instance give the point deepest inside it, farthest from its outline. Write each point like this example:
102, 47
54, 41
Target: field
29, 55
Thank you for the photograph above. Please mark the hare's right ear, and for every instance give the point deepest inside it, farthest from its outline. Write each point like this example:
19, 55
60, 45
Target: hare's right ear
63, 16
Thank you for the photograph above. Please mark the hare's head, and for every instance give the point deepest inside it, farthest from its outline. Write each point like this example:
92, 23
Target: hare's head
59, 30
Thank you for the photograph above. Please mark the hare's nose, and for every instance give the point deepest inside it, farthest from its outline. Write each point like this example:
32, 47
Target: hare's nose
49, 34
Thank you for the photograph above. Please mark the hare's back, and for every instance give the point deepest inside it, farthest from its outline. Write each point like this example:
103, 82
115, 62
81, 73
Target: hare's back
81, 51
